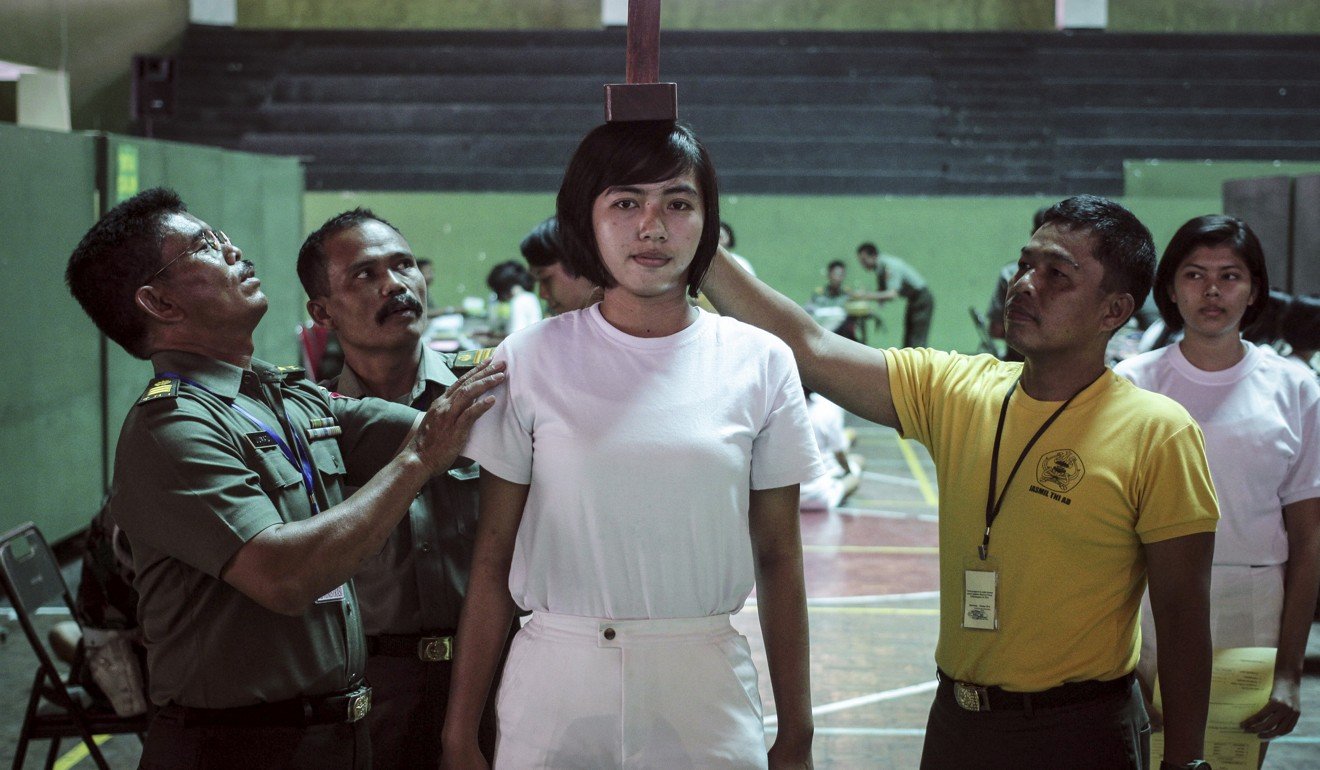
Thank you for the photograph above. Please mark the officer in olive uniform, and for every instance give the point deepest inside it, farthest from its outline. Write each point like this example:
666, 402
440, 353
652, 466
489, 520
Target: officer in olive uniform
229, 483
896, 278
365, 286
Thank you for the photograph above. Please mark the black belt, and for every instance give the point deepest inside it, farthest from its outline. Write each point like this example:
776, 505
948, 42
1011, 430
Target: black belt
340, 708
971, 697
431, 649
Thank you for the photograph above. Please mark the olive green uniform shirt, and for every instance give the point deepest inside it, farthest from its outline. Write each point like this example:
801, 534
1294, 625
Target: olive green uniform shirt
194, 481
416, 584
894, 274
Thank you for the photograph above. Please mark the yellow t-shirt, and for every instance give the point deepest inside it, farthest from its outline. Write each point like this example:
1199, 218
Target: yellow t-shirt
1120, 467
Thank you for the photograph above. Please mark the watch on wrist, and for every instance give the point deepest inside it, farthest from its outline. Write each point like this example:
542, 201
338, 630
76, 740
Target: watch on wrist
1195, 764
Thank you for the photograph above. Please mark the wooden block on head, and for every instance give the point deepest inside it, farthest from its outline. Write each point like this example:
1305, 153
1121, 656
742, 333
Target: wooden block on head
640, 101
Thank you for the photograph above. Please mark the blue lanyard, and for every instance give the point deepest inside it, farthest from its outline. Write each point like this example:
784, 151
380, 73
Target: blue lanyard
299, 459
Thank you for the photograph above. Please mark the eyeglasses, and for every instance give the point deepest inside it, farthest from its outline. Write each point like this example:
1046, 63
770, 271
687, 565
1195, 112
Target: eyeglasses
211, 239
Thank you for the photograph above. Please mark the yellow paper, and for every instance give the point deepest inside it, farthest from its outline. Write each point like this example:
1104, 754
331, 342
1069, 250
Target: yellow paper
1240, 684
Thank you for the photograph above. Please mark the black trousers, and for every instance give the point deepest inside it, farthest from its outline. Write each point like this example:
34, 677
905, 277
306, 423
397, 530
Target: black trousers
1108, 733
408, 705
916, 319
409, 697
172, 746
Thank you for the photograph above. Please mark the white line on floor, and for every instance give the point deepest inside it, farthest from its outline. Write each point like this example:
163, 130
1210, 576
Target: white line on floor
823, 601
865, 700
877, 514
905, 481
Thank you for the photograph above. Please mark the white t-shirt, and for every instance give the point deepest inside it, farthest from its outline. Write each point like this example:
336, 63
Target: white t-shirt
825, 491
640, 453
1262, 438
524, 310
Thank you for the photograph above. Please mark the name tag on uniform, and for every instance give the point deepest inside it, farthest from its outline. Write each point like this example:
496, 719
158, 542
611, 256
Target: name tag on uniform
980, 599
261, 441
336, 595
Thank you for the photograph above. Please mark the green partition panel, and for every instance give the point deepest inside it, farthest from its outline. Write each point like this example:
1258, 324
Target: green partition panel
66, 390
50, 402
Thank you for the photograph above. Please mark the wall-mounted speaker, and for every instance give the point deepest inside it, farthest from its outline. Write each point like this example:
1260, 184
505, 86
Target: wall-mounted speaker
153, 86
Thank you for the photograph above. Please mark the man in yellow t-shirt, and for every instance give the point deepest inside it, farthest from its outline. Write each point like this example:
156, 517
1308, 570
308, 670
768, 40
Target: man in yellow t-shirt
1063, 492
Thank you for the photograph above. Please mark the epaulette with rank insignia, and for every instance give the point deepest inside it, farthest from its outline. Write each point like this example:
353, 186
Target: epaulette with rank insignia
291, 372
467, 359
334, 394
161, 387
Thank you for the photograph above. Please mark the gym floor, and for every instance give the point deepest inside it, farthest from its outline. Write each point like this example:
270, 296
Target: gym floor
873, 590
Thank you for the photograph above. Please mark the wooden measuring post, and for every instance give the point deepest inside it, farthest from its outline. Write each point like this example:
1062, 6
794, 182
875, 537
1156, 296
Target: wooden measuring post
642, 98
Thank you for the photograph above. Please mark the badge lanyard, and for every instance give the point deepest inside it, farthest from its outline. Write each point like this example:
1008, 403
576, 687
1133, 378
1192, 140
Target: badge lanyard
991, 504
299, 459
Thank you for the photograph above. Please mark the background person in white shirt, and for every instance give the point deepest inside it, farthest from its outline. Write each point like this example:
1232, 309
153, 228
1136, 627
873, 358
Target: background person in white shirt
512, 285
1261, 417
643, 476
843, 471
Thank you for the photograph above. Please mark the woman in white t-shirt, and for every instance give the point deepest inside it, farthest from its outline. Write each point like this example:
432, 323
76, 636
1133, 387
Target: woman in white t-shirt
1261, 420
639, 472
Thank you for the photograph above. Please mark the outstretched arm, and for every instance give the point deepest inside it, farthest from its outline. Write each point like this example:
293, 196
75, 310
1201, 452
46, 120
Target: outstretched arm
1300, 584
286, 567
848, 373
1178, 571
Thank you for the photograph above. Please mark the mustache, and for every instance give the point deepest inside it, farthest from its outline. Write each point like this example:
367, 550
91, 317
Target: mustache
247, 270
404, 301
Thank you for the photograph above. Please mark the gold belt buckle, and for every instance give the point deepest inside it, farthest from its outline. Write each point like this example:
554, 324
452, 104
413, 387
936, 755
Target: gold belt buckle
434, 649
359, 705
971, 697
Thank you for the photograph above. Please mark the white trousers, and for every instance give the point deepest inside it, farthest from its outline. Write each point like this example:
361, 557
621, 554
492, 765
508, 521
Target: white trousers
589, 693
1246, 606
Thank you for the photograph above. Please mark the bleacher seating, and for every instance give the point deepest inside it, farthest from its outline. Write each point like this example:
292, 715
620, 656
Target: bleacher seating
782, 112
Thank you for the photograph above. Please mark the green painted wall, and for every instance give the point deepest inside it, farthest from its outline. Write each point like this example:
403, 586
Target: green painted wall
789, 241
1269, 16
56, 432
94, 40
675, 14
1265, 16
959, 244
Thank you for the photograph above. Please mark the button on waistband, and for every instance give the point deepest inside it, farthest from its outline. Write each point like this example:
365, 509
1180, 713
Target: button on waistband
608, 634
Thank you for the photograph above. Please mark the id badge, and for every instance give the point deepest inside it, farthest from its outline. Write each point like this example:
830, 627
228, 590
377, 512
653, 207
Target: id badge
337, 595
980, 595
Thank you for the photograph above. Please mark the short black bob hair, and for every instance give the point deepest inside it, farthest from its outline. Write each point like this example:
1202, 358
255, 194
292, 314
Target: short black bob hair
1211, 230
633, 153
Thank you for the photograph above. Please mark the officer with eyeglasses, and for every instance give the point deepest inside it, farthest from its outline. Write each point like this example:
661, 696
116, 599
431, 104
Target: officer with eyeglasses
229, 483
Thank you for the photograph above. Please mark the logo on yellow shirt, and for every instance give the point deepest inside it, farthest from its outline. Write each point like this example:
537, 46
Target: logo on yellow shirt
1060, 470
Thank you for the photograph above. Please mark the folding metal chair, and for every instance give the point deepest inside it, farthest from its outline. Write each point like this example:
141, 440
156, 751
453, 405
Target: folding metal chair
56, 709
